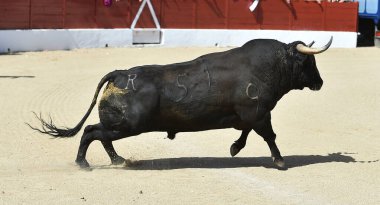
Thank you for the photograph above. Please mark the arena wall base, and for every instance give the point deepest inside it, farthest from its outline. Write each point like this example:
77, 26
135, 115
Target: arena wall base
67, 39
63, 39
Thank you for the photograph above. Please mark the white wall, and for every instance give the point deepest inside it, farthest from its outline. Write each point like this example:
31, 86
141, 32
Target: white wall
210, 37
64, 39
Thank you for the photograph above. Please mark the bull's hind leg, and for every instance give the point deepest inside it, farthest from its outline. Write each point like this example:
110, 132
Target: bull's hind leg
264, 129
115, 158
240, 143
98, 132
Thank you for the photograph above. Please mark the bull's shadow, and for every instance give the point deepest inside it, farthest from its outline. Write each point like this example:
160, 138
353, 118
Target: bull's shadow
17, 76
229, 162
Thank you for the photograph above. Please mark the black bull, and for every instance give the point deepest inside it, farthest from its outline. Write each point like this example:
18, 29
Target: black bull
237, 89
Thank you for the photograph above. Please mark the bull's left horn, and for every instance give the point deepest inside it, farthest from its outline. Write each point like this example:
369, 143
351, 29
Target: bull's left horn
311, 44
310, 51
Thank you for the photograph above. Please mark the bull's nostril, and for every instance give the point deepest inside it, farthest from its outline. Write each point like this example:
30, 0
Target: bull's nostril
316, 86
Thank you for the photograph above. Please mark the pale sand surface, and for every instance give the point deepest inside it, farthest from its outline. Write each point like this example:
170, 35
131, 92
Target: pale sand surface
329, 139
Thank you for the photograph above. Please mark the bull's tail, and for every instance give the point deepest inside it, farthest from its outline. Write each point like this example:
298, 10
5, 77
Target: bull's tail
49, 128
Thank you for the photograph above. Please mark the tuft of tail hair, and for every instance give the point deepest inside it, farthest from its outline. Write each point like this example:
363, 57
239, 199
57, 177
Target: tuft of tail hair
49, 128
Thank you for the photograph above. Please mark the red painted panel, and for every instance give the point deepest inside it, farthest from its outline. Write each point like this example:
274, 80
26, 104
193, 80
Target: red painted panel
47, 13
116, 16
342, 17
211, 14
308, 16
178, 13
204, 14
240, 17
274, 14
80, 14
14, 14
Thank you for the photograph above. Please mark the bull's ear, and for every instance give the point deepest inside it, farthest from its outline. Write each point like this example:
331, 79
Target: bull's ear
292, 49
297, 59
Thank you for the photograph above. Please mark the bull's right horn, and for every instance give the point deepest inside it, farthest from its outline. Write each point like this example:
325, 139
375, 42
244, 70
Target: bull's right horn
310, 51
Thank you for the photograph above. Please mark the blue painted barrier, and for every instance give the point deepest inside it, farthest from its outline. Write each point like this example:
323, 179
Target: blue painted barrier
369, 9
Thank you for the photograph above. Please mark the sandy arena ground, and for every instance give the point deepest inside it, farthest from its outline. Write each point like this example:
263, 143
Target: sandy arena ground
329, 139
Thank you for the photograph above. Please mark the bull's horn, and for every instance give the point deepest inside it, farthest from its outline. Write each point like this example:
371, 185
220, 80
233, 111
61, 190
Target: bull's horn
311, 44
310, 51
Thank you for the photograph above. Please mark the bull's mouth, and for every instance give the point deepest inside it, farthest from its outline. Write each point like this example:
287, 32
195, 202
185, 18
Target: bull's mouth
315, 87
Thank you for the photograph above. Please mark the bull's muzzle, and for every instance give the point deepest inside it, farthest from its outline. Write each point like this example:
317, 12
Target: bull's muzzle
316, 86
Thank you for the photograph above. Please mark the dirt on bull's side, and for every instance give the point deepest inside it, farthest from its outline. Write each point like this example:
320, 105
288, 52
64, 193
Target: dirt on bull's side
330, 139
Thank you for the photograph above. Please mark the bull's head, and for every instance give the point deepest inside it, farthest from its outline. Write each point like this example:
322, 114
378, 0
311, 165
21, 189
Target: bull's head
305, 70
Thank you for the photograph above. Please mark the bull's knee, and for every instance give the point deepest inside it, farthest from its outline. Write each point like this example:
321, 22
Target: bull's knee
89, 128
270, 137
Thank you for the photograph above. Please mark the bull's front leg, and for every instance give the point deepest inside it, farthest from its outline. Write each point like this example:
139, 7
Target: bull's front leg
240, 143
171, 135
264, 129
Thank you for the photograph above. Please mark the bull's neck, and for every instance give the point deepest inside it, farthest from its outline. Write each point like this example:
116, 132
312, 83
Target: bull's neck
281, 81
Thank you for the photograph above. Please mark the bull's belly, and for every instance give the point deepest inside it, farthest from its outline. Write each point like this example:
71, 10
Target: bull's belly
113, 118
195, 120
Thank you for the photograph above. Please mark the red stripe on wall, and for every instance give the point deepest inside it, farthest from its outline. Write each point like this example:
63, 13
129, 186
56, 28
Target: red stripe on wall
198, 14
14, 14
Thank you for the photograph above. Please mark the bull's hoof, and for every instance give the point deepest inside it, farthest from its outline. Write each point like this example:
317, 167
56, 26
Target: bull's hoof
280, 163
234, 149
82, 163
118, 160
171, 135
